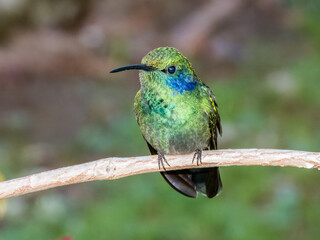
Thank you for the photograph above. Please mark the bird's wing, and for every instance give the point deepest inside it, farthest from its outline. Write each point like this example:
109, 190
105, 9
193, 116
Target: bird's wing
214, 121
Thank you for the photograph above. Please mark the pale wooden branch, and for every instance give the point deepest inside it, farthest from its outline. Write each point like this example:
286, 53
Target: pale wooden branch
113, 168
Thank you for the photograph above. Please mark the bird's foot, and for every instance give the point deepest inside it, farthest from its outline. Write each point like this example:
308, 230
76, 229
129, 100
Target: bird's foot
161, 159
197, 155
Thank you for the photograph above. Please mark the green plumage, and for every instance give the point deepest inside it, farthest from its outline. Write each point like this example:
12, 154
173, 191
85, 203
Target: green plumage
177, 114
174, 123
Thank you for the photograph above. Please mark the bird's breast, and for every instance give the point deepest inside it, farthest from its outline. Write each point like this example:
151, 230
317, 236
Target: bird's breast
173, 124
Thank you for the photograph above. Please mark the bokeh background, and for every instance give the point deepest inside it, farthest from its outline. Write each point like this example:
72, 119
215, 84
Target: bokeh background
60, 106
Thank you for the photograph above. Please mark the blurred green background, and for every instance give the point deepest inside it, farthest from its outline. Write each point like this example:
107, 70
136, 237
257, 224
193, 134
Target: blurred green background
60, 106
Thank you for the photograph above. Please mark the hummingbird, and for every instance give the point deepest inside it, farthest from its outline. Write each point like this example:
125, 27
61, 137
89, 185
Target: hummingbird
177, 114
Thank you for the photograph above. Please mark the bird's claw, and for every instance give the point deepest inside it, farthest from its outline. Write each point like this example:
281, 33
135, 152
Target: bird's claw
197, 155
161, 159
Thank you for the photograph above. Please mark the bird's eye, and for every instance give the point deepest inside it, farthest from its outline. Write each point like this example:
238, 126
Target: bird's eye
172, 69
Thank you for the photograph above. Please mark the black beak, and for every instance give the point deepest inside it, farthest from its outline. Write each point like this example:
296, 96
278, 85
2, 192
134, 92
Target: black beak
134, 67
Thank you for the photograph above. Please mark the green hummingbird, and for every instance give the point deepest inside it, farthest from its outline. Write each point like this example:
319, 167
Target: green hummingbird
177, 114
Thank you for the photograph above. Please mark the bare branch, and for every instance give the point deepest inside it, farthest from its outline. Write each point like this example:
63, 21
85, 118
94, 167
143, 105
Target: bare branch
113, 168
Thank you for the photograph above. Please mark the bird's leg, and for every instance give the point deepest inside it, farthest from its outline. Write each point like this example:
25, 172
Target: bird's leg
162, 158
197, 155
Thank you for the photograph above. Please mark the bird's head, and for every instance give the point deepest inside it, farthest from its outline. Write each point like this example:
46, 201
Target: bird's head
166, 65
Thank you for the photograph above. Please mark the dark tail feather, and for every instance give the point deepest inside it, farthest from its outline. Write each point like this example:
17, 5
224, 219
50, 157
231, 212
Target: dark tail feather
189, 182
207, 181
181, 181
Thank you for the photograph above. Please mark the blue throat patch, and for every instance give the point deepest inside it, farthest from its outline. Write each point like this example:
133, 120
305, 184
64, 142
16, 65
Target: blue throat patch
181, 82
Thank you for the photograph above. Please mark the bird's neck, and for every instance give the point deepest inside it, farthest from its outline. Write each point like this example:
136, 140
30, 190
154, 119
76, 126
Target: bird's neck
182, 83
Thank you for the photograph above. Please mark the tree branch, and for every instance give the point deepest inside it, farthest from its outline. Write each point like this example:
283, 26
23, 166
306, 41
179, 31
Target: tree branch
114, 168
